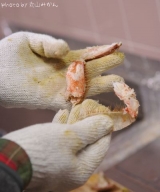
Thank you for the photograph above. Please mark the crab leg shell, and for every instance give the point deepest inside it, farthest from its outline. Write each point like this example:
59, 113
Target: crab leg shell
99, 51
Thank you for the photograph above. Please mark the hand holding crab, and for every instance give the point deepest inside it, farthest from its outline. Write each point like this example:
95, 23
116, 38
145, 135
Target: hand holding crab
34, 66
38, 71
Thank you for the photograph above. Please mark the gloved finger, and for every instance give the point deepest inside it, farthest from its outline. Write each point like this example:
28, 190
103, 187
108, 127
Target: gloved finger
91, 53
86, 109
89, 130
73, 55
94, 153
61, 116
47, 46
75, 114
98, 66
102, 84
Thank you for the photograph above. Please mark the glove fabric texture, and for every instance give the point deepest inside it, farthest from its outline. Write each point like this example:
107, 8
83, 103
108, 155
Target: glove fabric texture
33, 71
64, 156
33, 75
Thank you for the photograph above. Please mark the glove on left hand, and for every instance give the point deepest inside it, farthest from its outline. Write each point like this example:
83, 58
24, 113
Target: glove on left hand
33, 71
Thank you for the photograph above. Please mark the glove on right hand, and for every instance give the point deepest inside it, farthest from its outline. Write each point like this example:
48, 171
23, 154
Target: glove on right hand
64, 156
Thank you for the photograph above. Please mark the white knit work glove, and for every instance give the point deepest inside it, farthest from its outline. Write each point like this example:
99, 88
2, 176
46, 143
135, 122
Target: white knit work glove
64, 156
33, 71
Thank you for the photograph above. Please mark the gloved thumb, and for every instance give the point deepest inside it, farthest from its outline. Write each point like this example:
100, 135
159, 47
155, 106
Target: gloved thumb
89, 131
47, 46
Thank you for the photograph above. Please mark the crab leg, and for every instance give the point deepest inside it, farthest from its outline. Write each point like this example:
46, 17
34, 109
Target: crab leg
75, 75
125, 93
99, 51
75, 82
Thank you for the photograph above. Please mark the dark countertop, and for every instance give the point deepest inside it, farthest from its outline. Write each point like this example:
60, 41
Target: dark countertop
139, 172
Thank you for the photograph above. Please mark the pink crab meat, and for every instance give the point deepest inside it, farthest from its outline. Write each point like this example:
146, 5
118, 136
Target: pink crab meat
125, 93
75, 82
100, 51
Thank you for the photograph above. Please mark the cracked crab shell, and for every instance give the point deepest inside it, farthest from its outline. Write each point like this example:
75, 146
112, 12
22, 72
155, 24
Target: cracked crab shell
75, 82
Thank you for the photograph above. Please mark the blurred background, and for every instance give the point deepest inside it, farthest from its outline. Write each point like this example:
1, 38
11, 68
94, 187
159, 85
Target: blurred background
133, 158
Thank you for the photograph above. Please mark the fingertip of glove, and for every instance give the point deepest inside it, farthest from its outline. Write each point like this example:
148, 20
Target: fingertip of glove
61, 116
61, 48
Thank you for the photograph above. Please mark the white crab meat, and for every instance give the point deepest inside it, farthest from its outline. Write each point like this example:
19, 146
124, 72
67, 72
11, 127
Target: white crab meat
125, 93
76, 84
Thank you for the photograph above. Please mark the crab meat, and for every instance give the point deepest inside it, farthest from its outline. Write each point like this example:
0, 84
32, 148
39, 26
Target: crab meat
75, 82
75, 75
125, 93
100, 51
